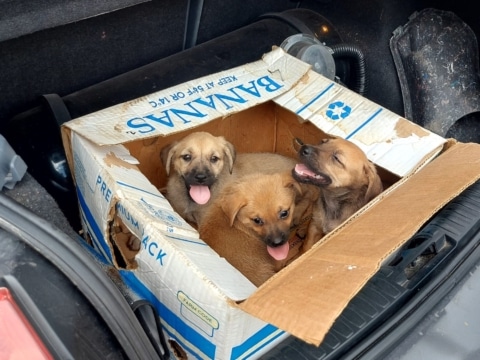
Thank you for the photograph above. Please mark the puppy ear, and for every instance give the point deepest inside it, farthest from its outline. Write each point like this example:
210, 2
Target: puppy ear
166, 155
297, 144
375, 185
231, 203
230, 153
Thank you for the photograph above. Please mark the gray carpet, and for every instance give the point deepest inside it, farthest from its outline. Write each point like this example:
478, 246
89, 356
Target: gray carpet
34, 197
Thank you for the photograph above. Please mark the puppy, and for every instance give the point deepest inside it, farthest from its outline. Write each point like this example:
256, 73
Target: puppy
346, 178
195, 166
251, 222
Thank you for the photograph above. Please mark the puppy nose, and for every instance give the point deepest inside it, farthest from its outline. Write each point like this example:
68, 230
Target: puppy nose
200, 177
305, 150
277, 240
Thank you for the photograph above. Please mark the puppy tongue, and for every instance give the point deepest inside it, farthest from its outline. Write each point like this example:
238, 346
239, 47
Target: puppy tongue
279, 252
301, 169
200, 194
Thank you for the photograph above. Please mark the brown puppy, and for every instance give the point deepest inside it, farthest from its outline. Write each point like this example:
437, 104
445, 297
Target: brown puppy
195, 167
347, 179
251, 222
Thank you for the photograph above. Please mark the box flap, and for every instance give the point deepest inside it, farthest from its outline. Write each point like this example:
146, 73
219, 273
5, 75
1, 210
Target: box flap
306, 300
387, 139
193, 103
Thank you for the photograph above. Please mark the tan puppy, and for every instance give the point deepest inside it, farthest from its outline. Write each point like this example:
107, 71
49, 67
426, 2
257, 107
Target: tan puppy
195, 167
347, 179
252, 220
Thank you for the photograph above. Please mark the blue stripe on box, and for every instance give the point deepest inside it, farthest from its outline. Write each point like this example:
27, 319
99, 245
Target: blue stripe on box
251, 342
322, 93
121, 183
364, 123
97, 233
205, 346
315, 98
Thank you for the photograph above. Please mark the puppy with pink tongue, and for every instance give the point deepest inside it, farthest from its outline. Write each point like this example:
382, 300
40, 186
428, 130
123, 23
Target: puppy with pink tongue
196, 166
255, 221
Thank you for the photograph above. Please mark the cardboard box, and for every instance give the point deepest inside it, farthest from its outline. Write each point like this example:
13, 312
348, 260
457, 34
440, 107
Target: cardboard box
208, 309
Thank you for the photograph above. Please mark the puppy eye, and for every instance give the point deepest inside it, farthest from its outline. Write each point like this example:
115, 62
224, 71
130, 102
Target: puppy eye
257, 221
186, 157
336, 158
214, 159
284, 214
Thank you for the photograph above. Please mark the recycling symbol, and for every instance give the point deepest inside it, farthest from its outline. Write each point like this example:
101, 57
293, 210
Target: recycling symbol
338, 110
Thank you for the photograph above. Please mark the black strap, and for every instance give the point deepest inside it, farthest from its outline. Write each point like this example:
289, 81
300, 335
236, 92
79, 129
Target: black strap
57, 107
192, 24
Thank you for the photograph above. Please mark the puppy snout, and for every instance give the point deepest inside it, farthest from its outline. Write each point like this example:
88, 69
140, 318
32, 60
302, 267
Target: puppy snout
277, 239
306, 150
200, 177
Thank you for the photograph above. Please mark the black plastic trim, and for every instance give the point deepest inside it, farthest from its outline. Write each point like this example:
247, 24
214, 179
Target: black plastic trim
72, 260
149, 318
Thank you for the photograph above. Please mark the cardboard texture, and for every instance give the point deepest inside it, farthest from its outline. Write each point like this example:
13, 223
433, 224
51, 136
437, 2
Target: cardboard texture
207, 307
338, 267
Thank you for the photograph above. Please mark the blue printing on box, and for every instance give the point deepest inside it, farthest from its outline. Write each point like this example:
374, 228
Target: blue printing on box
338, 104
207, 347
97, 233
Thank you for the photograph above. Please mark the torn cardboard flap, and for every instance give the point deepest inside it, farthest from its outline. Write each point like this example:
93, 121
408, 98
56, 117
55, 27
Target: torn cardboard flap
354, 253
193, 103
387, 139
140, 203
